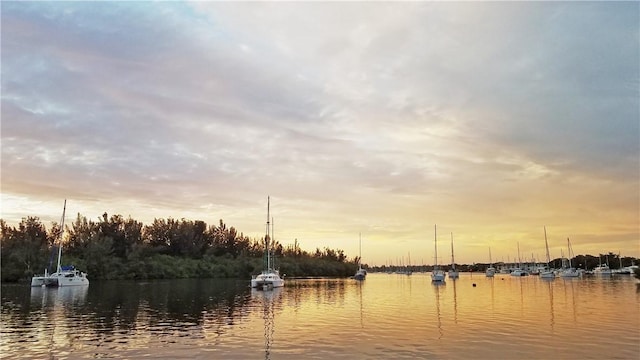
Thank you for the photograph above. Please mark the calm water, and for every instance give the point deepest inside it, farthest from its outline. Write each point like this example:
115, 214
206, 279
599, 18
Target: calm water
386, 316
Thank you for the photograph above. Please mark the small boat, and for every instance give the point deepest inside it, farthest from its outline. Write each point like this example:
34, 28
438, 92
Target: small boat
64, 275
491, 271
547, 273
437, 275
453, 273
361, 274
518, 271
569, 272
270, 277
602, 269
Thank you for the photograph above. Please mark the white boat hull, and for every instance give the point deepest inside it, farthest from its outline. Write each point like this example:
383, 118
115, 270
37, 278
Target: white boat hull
268, 280
437, 276
453, 274
547, 275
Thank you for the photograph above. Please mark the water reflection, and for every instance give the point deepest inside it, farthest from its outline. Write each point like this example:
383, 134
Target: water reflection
66, 296
268, 299
455, 303
552, 321
437, 288
318, 318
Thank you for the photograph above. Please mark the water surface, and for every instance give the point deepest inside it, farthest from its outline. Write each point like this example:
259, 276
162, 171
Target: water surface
385, 316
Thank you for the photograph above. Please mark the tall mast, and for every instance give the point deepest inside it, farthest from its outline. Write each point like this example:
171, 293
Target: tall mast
435, 244
64, 209
266, 238
569, 252
453, 264
490, 262
546, 245
360, 251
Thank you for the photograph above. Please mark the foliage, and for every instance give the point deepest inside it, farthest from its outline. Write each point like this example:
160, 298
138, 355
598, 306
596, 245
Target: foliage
117, 248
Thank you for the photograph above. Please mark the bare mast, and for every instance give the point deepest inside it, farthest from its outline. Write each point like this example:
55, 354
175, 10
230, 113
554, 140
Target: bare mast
64, 209
266, 238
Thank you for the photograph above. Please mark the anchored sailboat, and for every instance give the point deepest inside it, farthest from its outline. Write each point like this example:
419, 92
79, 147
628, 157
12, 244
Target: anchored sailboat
361, 274
64, 275
270, 277
547, 273
437, 275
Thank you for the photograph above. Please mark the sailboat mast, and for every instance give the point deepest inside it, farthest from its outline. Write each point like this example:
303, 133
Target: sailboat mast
64, 209
490, 261
546, 245
453, 264
569, 252
266, 238
435, 244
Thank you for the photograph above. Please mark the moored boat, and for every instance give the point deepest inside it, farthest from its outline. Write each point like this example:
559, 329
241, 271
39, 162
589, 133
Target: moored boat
269, 278
546, 272
64, 275
437, 275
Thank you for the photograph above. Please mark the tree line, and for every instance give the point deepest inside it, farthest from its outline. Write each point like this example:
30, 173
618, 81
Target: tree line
115, 247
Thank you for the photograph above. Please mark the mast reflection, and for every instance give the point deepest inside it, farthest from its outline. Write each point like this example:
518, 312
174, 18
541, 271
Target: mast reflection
268, 299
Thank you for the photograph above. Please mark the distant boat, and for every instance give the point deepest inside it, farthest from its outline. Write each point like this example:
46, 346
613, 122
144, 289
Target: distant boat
453, 273
569, 271
361, 274
64, 275
491, 271
437, 275
602, 269
518, 271
547, 273
270, 277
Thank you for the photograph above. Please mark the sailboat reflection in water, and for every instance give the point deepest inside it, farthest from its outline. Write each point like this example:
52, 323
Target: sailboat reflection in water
268, 299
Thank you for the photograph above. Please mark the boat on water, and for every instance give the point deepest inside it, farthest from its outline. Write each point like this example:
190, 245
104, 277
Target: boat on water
547, 273
361, 274
437, 275
569, 272
453, 273
64, 275
518, 271
491, 271
602, 269
269, 278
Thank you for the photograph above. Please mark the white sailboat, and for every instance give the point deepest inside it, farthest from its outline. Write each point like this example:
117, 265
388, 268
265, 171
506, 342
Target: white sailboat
437, 275
64, 275
270, 277
570, 271
453, 273
602, 269
518, 271
547, 273
491, 271
361, 274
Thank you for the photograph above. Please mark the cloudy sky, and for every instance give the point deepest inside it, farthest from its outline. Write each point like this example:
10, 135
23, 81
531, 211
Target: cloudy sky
489, 119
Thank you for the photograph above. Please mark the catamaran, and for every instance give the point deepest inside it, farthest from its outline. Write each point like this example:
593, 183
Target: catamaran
437, 275
270, 277
64, 275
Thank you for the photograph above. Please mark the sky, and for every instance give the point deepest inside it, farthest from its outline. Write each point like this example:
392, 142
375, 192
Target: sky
371, 120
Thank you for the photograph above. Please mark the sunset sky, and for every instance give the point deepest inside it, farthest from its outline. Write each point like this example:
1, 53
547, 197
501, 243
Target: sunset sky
489, 119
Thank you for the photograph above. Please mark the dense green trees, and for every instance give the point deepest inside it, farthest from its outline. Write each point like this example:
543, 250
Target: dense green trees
118, 248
